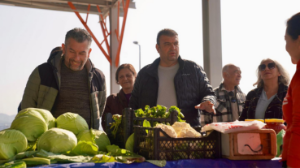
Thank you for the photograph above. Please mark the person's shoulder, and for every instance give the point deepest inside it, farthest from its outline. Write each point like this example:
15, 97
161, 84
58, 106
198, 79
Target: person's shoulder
112, 96
282, 90
44, 67
217, 89
99, 72
252, 92
192, 66
147, 68
189, 62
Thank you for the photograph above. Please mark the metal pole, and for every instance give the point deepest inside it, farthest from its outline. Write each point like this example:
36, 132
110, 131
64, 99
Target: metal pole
140, 56
137, 43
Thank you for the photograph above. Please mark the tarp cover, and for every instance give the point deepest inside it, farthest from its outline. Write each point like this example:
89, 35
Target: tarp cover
199, 163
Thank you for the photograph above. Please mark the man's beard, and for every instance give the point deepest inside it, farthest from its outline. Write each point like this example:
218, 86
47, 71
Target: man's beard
78, 67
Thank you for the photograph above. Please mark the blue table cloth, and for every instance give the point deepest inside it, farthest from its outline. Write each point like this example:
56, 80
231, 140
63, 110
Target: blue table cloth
199, 163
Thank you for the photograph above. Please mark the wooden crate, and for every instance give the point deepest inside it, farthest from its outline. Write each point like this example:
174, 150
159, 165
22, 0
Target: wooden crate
249, 145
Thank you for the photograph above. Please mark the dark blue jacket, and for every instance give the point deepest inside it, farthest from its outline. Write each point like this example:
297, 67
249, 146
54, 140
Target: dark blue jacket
191, 85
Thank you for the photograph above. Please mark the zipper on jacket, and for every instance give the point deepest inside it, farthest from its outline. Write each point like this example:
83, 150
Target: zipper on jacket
91, 104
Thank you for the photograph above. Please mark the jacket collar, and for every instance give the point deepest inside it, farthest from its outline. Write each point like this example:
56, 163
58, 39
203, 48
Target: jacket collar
153, 68
122, 98
237, 88
281, 89
122, 95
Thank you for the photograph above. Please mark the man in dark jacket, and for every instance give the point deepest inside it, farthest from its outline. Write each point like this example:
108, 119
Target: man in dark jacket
170, 80
68, 81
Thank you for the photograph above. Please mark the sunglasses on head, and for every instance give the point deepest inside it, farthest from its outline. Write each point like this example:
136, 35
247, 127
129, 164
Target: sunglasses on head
262, 67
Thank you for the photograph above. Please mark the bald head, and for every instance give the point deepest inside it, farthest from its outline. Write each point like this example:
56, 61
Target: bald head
231, 74
227, 67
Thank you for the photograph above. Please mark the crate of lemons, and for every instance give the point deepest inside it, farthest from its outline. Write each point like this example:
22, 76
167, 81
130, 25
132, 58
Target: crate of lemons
37, 138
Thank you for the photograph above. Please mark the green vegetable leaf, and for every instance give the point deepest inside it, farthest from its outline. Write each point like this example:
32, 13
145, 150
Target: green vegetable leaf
159, 163
14, 164
180, 115
63, 158
146, 124
147, 107
93, 135
22, 155
115, 125
152, 112
31, 146
96, 136
130, 143
103, 158
139, 113
85, 148
161, 110
36, 161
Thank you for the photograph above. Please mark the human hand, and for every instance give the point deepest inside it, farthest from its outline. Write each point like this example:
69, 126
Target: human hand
207, 106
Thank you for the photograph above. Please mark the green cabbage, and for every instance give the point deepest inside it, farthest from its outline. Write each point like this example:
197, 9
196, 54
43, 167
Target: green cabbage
30, 123
48, 117
95, 136
72, 122
11, 142
57, 140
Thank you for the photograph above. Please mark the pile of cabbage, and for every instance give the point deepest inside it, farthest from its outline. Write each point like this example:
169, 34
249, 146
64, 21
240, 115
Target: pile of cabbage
35, 137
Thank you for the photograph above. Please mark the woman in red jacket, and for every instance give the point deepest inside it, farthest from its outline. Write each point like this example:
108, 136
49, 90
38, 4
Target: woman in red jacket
291, 103
115, 103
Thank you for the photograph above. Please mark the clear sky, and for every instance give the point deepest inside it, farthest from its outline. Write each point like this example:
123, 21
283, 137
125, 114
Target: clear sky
251, 30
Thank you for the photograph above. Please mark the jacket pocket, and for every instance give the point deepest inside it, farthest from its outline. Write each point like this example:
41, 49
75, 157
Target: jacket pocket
220, 106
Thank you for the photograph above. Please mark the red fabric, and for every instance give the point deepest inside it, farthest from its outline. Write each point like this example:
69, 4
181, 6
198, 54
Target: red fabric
291, 114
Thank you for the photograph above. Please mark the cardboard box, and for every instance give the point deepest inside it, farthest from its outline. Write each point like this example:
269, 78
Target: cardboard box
249, 145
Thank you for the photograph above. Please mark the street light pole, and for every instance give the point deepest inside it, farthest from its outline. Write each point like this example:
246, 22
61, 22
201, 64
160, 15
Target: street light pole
137, 43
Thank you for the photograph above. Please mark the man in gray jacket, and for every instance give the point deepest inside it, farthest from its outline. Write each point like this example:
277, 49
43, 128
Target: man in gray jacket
68, 81
170, 81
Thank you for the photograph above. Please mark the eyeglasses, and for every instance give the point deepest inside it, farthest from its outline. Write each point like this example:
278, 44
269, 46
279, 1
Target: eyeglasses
262, 67
232, 99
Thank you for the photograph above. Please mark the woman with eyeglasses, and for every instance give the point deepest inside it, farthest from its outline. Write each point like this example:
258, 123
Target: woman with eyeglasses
266, 100
291, 103
115, 103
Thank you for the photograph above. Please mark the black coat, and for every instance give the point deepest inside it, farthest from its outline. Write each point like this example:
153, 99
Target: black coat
191, 85
274, 109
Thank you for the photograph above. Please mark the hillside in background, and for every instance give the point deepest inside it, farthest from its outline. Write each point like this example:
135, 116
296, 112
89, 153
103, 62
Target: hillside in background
6, 120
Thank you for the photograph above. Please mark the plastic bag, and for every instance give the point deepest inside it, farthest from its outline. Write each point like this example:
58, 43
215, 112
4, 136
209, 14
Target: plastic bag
236, 126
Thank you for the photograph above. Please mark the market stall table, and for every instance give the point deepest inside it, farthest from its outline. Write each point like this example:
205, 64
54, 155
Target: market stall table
199, 163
